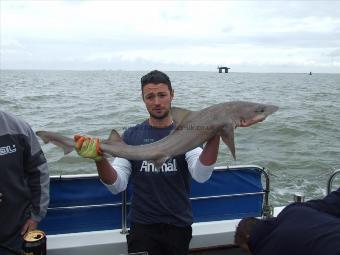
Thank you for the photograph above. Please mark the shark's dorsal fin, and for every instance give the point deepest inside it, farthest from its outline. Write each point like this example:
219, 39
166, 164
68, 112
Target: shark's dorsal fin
179, 114
227, 135
114, 137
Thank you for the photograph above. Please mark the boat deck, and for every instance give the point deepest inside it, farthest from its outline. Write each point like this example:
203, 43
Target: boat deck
97, 220
221, 251
98, 225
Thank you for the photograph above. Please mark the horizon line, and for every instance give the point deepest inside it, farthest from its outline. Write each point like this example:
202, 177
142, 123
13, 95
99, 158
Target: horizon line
169, 70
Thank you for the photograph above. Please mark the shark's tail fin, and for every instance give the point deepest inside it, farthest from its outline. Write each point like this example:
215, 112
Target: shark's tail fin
67, 144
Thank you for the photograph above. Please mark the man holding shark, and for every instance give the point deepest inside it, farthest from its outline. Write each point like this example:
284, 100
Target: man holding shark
161, 214
159, 157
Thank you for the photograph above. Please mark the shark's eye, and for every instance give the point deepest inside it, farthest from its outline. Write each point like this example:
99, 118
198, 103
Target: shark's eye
258, 110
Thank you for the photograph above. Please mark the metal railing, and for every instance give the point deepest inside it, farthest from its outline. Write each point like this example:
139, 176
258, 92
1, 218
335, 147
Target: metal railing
331, 179
267, 209
124, 213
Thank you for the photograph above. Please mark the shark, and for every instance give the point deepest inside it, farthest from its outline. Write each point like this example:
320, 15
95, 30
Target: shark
192, 129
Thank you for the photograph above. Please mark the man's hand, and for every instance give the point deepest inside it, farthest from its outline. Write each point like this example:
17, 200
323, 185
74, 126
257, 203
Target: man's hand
88, 147
29, 225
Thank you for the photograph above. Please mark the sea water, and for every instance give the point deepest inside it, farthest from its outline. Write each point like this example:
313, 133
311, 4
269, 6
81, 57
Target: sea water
299, 144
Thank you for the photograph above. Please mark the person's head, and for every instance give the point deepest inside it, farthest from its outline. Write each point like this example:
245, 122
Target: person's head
155, 77
157, 94
243, 231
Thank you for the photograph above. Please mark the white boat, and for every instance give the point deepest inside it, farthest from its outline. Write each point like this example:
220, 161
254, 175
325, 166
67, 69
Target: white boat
84, 218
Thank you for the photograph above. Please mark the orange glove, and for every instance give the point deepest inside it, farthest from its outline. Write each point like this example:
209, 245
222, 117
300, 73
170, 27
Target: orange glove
88, 147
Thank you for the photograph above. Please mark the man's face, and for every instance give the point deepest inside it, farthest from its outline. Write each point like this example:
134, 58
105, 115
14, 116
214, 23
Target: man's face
157, 98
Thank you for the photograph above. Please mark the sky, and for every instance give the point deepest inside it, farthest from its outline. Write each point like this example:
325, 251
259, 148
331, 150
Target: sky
247, 36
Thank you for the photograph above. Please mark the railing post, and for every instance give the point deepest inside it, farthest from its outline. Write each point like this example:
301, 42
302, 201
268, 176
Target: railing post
124, 212
331, 179
268, 210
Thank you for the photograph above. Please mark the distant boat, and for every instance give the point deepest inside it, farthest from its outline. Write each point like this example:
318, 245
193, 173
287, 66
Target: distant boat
221, 68
310, 73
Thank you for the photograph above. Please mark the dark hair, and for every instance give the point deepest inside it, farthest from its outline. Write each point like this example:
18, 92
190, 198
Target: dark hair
243, 230
155, 77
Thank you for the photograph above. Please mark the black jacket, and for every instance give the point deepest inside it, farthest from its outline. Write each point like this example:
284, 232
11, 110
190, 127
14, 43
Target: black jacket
24, 179
311, 228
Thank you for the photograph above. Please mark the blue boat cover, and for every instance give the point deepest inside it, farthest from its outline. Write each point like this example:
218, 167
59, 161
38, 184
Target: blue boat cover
84, 204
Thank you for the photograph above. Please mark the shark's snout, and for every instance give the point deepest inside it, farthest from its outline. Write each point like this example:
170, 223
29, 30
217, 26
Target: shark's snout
263, 112
271, 109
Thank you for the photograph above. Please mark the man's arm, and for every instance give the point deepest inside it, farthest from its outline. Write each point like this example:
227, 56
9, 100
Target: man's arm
210, 151
329, 204
201, 162
116, 176
37, 179
106, 172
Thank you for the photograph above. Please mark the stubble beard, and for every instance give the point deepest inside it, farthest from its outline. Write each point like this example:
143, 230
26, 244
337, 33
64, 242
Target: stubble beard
160, 117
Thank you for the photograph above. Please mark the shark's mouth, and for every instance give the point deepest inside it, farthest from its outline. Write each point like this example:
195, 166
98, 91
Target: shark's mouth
249, 122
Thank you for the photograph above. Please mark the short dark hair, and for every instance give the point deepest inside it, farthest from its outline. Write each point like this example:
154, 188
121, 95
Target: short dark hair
243, 230
155, 77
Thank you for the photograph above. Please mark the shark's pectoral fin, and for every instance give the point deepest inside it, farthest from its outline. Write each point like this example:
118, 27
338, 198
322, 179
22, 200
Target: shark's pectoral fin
179, 114
227, 135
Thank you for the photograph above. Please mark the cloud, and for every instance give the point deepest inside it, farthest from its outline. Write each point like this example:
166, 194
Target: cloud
334, 53
111, 34
11, 44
